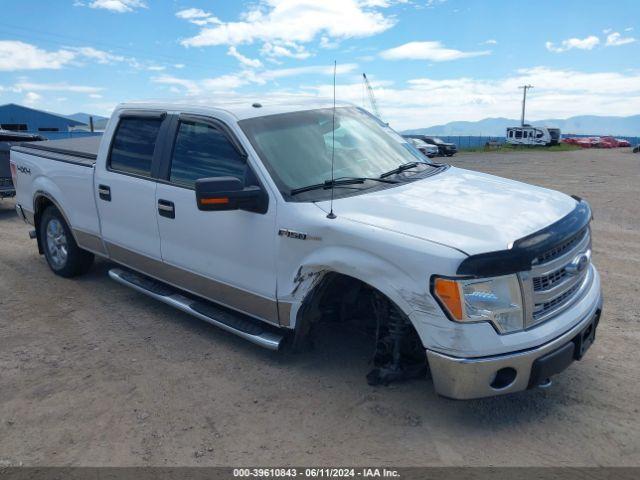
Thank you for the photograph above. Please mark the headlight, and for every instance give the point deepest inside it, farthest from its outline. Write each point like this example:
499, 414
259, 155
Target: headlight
497, 300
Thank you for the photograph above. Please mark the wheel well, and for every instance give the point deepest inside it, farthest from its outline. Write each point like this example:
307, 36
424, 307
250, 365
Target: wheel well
332, 288
39, 206
338, 299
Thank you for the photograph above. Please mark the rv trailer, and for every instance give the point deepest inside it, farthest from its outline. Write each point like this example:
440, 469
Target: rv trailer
528, 135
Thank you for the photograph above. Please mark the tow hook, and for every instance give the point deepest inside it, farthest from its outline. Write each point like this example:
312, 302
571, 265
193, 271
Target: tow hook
545, 383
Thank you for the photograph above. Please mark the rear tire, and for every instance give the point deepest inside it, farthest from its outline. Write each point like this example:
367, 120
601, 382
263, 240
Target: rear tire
63, 255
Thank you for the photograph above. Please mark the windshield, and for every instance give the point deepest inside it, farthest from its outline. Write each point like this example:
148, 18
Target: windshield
437, 140
296, 147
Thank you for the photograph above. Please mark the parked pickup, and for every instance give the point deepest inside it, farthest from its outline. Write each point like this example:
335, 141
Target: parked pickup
269, 220
7, 139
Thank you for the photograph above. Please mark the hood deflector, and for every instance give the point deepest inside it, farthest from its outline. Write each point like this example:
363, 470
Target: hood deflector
525, 250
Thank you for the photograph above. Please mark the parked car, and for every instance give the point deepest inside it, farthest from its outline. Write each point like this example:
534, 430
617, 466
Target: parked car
636, 149
7, 139
444, 149
425, 148
267, 219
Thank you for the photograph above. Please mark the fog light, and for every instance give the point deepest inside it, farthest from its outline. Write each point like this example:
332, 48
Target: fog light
504, 378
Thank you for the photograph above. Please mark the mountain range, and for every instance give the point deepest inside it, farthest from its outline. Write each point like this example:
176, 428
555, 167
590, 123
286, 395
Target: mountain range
580, 125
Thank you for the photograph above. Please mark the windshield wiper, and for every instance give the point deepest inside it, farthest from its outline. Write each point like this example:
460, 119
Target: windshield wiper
338, 182
402, 168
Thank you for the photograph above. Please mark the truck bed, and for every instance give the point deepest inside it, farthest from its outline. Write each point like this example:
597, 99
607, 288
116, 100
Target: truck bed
80, 151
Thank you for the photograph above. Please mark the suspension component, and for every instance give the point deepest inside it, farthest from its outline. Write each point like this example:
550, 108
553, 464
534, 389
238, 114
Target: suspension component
394, 358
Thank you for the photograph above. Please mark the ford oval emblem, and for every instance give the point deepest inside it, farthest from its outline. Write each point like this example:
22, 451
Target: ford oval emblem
578, 264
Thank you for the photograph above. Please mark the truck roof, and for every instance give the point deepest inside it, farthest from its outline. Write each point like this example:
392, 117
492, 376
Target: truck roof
241, 109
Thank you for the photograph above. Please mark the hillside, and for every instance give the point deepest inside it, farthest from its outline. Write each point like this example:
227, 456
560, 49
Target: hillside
582, 125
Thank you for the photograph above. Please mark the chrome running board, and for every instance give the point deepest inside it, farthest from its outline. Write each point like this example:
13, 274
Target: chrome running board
237, 323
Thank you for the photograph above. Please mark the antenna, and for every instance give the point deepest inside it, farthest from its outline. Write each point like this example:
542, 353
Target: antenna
332, 215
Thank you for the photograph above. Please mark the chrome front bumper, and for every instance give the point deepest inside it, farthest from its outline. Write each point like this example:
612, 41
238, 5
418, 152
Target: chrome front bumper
467, 378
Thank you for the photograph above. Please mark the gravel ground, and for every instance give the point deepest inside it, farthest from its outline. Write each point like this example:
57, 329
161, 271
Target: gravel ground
92, 373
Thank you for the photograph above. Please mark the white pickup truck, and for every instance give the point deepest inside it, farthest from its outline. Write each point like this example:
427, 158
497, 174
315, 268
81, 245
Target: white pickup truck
268, 219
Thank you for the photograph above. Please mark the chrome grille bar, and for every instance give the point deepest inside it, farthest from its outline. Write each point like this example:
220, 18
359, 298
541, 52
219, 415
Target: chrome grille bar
552, 285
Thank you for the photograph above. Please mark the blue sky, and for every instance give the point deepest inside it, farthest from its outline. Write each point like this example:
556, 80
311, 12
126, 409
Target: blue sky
429, 61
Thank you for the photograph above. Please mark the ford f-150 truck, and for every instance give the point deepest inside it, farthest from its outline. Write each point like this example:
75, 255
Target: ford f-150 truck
267, 220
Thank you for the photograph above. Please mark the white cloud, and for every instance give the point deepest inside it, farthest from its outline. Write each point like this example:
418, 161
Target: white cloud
310, 70
16, 55
615, 40
229, 82
246, 61
99, 56
95, 95
31, 98
284, 49
55, 87
325, 42
117, 6
280, 23
197, 16
587, 43
156, 68
491, 41
558, 94
433, 51
628, 29
191, 87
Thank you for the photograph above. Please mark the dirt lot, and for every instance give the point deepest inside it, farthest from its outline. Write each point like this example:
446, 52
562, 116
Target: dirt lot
92, 373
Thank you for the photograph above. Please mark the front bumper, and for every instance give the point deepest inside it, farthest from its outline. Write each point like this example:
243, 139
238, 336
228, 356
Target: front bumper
467, 378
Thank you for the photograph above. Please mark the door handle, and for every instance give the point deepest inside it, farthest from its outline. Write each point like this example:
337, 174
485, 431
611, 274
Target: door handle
166, 209
104, 192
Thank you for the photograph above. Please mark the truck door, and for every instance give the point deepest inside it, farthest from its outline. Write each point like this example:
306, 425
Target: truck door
125, 190
225, 256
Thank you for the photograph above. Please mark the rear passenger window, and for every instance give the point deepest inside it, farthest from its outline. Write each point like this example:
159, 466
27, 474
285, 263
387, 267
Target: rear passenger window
203, 151
133, 145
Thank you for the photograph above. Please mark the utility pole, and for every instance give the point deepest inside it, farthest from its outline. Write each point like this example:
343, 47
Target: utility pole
524, 101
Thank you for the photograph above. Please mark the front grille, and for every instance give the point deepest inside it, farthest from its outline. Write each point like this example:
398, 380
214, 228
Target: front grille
545, 282
543, 308
553, 286
562, 248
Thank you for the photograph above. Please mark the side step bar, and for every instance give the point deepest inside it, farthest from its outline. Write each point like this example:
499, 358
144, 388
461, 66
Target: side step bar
242, 325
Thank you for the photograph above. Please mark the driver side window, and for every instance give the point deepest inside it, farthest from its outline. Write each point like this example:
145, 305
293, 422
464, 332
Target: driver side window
202, 151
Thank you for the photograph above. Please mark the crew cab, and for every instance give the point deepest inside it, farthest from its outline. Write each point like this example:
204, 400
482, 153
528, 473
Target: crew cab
269, 219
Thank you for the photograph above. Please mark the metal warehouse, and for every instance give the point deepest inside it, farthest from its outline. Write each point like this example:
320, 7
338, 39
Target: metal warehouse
19, 118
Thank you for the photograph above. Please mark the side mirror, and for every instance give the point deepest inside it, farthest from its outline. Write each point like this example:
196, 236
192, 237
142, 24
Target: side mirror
227, 193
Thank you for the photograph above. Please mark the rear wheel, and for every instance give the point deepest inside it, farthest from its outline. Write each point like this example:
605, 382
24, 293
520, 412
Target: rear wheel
63, 255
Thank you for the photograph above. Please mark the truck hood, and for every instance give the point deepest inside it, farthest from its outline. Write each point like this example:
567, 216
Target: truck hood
470, 211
